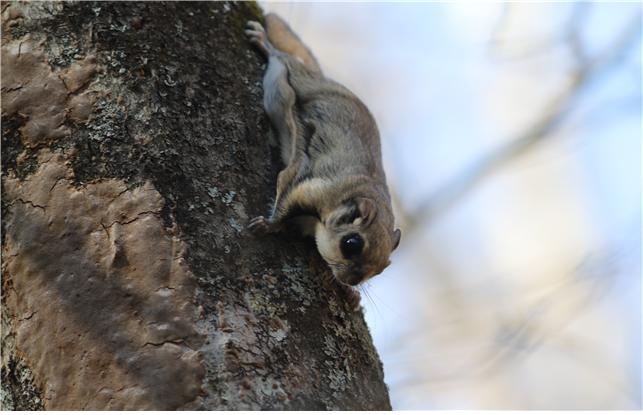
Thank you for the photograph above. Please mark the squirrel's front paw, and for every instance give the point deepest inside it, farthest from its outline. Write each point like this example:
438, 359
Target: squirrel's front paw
257, 36
351, 295
261, 225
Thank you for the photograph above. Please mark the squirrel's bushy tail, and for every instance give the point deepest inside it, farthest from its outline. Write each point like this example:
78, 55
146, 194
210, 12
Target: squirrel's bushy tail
283, 38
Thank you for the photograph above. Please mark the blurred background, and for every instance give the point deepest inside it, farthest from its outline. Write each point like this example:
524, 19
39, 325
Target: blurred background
511, 136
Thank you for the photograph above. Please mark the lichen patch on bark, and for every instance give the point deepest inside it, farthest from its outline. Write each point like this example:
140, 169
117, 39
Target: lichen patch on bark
100, 287
243, 354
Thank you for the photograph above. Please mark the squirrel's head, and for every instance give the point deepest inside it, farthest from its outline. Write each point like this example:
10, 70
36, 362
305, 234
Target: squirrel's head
356, 240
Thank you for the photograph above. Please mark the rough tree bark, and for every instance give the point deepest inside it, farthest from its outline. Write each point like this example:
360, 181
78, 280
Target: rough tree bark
134, 150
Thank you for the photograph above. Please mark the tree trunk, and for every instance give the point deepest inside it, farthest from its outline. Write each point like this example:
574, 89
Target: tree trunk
134, 151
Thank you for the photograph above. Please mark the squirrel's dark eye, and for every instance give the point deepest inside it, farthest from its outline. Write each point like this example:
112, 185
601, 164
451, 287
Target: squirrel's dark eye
351, 245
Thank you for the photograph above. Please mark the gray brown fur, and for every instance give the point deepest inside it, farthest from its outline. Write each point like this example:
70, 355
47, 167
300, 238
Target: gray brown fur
333, 184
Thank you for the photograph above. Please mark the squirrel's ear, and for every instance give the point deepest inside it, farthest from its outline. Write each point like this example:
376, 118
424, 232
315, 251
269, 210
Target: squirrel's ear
397, 234
367, 210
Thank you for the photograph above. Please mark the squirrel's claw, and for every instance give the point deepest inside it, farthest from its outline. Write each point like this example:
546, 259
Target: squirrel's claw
257, 35
260, 225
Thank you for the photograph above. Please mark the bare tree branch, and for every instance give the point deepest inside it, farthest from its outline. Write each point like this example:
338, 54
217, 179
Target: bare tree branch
536, 46
518, 336
587, 72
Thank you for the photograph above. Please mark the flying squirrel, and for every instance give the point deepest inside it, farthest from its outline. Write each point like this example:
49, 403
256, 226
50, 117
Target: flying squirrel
333, 186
